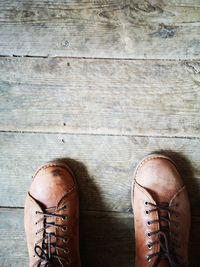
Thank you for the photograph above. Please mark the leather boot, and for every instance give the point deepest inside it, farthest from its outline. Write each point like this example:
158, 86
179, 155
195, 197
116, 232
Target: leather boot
51, 218
161, 214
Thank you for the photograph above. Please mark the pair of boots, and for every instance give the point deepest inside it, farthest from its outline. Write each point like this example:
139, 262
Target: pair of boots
161, 215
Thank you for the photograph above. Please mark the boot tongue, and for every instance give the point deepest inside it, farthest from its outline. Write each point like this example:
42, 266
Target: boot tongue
158, 197
51, 230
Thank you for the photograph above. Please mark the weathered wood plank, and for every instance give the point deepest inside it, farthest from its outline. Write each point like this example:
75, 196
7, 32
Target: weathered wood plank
103, 165
106, 239
13, 250
167, 29
100, 96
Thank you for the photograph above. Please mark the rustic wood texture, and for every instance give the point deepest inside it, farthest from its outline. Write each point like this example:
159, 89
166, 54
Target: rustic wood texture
100, 96
103, 165
99, 85
153, 29
107, 239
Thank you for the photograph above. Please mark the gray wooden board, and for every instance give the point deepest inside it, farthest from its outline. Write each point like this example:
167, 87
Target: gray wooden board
100, 96
106, 239
103, 165
167, 29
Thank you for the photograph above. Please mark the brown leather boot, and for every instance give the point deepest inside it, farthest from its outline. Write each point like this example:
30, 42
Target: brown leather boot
161, 214
51, 218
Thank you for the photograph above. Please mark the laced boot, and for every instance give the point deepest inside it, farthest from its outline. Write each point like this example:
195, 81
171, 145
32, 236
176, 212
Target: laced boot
51, 218
161, 214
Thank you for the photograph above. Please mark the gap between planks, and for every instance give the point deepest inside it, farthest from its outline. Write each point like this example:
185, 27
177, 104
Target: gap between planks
103, 165
98, 58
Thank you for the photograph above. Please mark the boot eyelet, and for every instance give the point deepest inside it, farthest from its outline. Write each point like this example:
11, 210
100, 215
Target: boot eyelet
66, 251
148, 234
64, 218
64, 228
149, 246
148, 259
147, 212
65, 241
146, 203
148, 222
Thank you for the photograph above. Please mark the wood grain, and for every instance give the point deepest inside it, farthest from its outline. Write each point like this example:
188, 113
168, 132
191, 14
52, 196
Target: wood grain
106, 238
136, 91
149, 98
103, 165
152, 29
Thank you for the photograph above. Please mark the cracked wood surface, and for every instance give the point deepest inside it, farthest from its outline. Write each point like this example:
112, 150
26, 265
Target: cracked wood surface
153, 29
149, 98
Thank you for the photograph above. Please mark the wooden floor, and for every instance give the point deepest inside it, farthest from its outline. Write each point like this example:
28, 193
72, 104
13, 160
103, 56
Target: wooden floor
99, 84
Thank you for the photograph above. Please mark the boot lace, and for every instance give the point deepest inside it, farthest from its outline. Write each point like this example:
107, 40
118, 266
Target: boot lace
167, 246
47, 258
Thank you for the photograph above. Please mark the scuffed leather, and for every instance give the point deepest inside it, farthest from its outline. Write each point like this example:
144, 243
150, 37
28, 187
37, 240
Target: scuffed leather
53, 186
156, 179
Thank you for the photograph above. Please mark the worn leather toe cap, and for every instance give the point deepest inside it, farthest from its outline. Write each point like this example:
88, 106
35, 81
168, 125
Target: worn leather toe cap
50, 183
